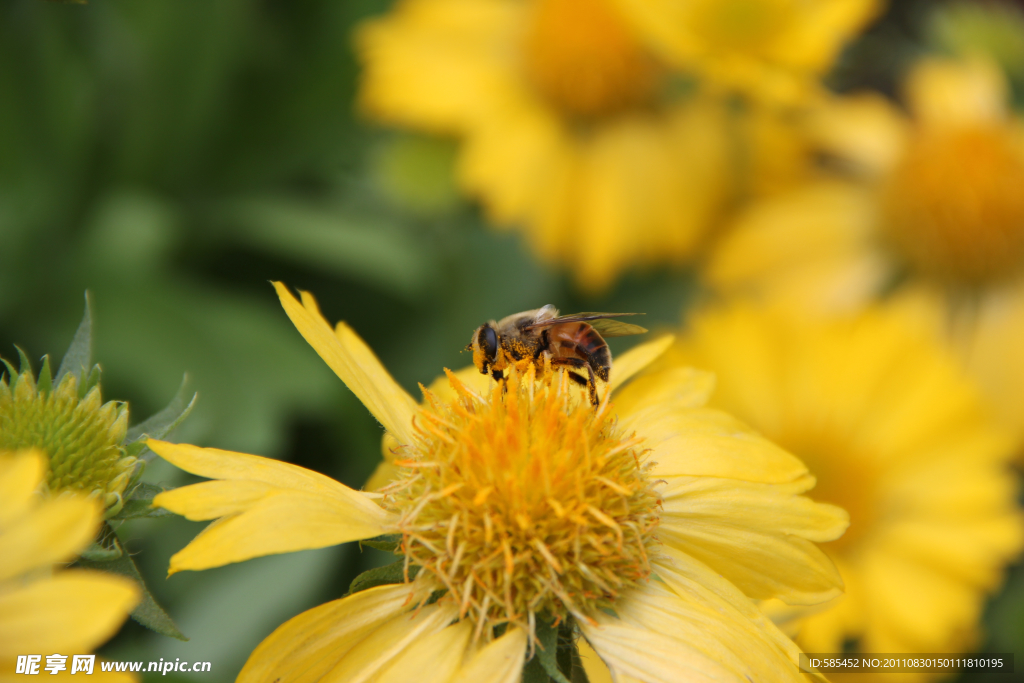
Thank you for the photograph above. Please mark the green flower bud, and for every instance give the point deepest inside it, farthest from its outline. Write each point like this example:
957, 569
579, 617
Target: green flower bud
82, 436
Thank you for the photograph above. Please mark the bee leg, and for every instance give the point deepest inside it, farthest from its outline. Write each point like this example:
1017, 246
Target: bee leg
499, 377
542, 346
592, 385
579, 363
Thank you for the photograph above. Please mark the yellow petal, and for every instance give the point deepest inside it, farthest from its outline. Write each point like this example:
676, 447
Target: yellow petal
214, 463
431, 659
680, 387
597, 671
213, 499
909, 604
763, 565
273, 507
769, 508
639, 653
813, 41
948, 92
646, 190
306, 647
385, 473
354, 362
813, 247
500, 661
694, 581
697, 633
55, 531
972, 549
706, 442
70, 613
388, 641
20, 475
867, 129
281, 522
636, 359
433, 64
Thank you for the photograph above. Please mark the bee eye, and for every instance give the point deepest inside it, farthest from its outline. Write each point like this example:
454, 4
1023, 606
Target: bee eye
488, 340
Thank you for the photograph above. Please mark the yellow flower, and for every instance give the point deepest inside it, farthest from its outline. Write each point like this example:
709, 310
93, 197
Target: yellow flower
521, 507
568, 125
42, 611
772, 49
937, 210
898, 437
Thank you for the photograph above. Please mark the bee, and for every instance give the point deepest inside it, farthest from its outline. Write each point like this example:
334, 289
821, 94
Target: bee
574, 342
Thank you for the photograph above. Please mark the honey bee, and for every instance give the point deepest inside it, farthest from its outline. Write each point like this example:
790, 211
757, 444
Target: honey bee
574, 342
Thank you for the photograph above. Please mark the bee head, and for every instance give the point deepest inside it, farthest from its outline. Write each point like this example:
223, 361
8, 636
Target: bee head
485, 347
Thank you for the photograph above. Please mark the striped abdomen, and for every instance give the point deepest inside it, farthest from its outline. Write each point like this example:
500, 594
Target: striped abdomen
580, 340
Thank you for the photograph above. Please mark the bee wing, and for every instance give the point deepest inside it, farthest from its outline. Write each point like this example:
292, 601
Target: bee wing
599, 321
615, 328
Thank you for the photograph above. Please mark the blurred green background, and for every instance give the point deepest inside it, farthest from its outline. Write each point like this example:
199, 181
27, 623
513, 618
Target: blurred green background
172, 156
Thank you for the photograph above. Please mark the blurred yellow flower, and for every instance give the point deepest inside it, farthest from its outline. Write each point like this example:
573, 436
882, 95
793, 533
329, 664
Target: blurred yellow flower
526, 505
42, 611
570, 129
894, 433
775, 50
937, 213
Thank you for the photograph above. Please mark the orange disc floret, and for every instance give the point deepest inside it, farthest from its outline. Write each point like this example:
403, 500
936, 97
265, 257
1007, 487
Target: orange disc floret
526, 502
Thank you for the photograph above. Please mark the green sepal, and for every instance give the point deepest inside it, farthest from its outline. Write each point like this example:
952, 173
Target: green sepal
556, 658
148, 612
382, 576
45, 381
138, 502
12, 374
78, 357
140, 468
164, 422
91, 381
23, 362
569, 660
105, 548
134, 449
389, 543
548, 653
533, 672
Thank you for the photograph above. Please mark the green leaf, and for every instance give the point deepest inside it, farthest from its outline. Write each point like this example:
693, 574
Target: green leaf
78, 357
148, 613
388, 542
164, 422
139, 503
372, 250
382, 576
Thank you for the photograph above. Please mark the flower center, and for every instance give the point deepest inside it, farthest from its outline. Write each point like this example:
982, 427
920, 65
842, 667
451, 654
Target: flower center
743, 25
954, 208
81, 436
581, 56
528, 503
